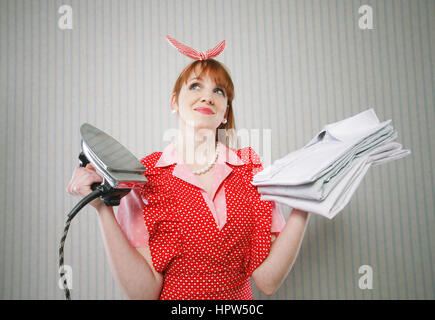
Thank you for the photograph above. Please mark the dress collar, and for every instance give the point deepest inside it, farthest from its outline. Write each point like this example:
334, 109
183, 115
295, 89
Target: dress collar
182, 171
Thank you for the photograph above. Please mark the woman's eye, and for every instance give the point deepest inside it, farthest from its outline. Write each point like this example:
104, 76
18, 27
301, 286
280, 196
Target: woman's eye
193, 86
220, 91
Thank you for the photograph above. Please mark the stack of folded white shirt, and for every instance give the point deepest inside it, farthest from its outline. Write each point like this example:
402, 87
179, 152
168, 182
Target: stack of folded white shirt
322, 176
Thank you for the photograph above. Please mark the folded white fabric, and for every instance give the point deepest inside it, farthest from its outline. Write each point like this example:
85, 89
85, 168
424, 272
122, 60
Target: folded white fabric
389, 152
331, 147
320, 188
322, 176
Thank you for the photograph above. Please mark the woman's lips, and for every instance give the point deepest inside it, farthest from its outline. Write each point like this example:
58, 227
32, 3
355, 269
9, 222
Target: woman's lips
204, 110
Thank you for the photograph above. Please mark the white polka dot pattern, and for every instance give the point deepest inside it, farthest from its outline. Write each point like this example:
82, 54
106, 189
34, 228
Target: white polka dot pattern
198, 260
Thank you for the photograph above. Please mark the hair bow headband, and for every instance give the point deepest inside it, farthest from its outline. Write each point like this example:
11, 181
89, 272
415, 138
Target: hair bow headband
192, 53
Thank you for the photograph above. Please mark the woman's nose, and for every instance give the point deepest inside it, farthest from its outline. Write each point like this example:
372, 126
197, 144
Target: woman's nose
207, 99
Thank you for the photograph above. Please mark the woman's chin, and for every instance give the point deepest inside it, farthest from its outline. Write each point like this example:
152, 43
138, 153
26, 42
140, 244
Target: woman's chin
201, 124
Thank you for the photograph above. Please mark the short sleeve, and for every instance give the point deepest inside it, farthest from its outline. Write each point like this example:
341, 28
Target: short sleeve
130, 219
261, 212
278, 221
249, 156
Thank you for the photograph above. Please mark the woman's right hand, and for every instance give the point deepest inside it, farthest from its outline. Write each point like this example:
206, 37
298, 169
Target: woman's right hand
81, 181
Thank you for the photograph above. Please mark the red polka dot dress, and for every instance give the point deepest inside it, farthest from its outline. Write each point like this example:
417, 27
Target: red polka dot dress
197, 259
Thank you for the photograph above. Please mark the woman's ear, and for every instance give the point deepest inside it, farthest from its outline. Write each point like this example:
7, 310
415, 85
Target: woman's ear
174, 105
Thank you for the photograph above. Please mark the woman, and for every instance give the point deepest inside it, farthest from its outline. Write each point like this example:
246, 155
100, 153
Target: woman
197, 229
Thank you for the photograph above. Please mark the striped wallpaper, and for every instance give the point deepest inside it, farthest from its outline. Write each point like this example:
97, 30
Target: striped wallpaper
296, 65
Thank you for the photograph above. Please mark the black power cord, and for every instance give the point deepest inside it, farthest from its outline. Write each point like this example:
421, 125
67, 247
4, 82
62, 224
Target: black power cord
93, 195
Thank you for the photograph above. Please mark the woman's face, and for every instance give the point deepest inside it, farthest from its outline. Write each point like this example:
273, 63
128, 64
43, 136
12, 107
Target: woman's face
201, 103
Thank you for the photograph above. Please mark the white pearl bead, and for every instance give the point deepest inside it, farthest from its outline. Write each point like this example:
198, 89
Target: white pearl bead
201, 171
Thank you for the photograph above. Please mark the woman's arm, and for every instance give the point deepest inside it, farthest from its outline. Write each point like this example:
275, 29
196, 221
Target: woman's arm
132, 268
272, 272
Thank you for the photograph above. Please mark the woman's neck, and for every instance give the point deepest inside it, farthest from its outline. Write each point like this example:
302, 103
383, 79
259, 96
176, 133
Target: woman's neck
197, 147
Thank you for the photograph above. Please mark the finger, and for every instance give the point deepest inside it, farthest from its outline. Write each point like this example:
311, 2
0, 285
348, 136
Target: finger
79, 178
70, 188
82, 190
95, 176
91, 175
93, 171
71, 182
85, 180
82, 180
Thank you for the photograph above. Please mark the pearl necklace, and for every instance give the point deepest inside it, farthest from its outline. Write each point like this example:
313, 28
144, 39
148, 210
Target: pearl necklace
210, 164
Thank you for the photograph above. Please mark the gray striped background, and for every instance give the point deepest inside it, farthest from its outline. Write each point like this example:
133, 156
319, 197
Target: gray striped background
297, 65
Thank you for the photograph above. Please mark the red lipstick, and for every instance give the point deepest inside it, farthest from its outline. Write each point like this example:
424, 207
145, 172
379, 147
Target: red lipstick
204, 110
